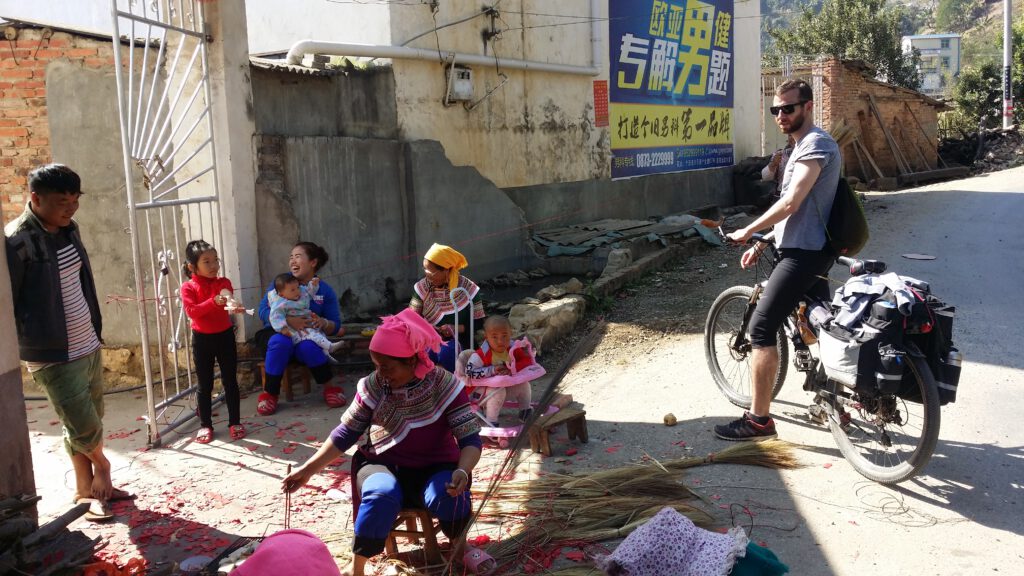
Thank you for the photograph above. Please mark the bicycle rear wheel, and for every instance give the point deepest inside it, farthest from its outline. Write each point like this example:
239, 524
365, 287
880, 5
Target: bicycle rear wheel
728, 352
886, 438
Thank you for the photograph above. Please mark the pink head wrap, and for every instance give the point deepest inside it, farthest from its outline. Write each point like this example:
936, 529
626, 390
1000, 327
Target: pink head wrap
289, 552
404, 335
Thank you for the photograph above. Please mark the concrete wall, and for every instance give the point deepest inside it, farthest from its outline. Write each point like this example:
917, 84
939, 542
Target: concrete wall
747, 70
24, 116
376, 206
85, 135
555, 205
360, 104
16, 476
536, 128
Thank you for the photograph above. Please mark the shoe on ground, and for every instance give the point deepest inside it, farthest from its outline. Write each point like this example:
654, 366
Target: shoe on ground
204, 435
746, 429
266, 404
334, 397
237, 431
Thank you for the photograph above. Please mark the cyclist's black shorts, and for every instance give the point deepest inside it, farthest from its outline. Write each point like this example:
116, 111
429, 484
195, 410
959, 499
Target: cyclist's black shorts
800, 272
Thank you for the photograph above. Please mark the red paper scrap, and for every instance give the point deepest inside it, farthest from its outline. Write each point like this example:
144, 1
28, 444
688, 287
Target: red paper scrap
571, 452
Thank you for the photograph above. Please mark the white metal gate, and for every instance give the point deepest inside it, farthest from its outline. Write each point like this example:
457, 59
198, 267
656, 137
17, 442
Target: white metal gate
160, 58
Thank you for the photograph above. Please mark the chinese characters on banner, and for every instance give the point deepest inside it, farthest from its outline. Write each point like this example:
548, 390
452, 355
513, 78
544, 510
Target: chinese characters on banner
671, 85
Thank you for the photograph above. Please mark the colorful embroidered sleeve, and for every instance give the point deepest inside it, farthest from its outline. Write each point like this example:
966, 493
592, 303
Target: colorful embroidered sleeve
355, 420
461, 419
478, 309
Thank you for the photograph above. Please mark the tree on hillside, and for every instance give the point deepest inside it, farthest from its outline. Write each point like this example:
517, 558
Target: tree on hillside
978, 94
868, 30
955, 15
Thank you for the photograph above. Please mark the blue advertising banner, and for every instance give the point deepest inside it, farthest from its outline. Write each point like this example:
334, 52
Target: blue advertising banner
671, 85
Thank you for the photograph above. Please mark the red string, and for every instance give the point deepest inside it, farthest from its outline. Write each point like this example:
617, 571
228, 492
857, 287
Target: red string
122, 298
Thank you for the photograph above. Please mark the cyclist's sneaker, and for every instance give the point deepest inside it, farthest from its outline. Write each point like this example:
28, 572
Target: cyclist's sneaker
746, 428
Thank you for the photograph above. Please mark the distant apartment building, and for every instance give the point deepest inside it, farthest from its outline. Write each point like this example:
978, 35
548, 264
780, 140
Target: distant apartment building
940, 60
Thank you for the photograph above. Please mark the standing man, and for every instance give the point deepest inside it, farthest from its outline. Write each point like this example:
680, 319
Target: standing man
58, 321
808, 190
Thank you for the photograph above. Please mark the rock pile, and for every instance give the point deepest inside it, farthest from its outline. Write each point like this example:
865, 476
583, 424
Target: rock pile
986, 151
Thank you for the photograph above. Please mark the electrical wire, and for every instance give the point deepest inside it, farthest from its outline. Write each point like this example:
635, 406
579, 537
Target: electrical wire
442, 26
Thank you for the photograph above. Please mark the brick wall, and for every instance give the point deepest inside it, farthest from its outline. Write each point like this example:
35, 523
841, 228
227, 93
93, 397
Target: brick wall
845, 92
24, 121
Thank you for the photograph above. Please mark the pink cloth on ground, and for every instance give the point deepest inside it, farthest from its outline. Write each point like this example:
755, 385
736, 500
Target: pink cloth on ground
289, 552
669, 543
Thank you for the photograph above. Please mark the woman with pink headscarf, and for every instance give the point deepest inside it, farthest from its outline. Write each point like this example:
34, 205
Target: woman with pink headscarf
418, 439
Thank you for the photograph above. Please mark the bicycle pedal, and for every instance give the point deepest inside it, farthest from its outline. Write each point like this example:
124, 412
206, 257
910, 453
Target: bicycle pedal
817, 414
803, 361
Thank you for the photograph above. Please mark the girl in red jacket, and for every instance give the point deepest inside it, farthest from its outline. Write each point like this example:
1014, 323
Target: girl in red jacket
204, 297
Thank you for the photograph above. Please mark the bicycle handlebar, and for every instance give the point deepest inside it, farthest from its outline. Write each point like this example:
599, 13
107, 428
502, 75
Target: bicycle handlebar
861, 267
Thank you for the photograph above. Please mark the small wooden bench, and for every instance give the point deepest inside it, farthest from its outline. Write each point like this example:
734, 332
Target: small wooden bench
575, 420
426, 531
292, 370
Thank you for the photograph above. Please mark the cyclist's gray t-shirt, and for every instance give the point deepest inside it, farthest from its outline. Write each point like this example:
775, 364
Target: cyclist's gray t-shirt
805, 229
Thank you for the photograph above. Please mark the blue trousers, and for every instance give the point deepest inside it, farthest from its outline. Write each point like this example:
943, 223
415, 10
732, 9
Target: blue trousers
280, 351
446, 356
384, 491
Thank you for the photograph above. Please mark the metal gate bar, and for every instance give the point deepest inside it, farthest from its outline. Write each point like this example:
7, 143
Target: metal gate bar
167, 139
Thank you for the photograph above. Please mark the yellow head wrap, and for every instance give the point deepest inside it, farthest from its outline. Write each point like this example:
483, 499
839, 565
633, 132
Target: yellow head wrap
450, 259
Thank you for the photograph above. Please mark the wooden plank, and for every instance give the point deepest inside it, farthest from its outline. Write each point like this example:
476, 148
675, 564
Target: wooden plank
860, 160
939, 174
913, 144
927, 137
900, 162
867, 155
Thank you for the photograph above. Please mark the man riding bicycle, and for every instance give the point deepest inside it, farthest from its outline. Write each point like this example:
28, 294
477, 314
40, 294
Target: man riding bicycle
811, 172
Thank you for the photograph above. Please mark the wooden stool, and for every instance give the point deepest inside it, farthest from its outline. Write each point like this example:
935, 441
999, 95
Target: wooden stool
575, 421
287, 380
426, 531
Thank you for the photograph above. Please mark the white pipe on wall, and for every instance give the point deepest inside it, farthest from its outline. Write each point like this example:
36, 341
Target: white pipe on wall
303, 47
406, 53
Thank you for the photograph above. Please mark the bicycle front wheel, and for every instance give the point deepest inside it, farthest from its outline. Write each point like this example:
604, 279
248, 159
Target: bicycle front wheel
886, 438
728, 351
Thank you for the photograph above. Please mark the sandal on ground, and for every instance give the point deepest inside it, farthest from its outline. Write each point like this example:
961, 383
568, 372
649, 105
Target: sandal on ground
204, 435
99, 511
334, 397
119, 494
266, 404
477, 561
237, 431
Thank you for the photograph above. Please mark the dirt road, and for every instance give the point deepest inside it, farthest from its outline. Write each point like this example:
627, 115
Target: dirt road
962, 516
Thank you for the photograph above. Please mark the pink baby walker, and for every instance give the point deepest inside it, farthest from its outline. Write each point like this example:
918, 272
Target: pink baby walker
523, 366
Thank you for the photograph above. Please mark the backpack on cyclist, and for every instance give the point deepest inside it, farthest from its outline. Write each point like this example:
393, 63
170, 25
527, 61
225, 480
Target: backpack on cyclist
847, 228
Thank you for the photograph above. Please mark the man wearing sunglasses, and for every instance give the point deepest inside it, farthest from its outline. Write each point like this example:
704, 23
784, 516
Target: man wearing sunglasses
809, 183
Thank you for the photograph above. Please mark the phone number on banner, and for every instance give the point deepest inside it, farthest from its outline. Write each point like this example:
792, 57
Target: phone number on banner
627, 163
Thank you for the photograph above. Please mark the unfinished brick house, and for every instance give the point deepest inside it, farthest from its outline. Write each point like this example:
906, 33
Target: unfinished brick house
884, 131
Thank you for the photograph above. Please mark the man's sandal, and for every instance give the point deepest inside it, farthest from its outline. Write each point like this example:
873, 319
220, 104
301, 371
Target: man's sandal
237, 431
99, 511
204, 435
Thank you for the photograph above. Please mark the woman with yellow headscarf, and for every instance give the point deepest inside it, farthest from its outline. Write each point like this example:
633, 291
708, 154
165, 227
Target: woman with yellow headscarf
432, 299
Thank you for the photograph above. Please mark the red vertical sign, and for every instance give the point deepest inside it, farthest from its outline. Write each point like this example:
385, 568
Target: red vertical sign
600, 103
